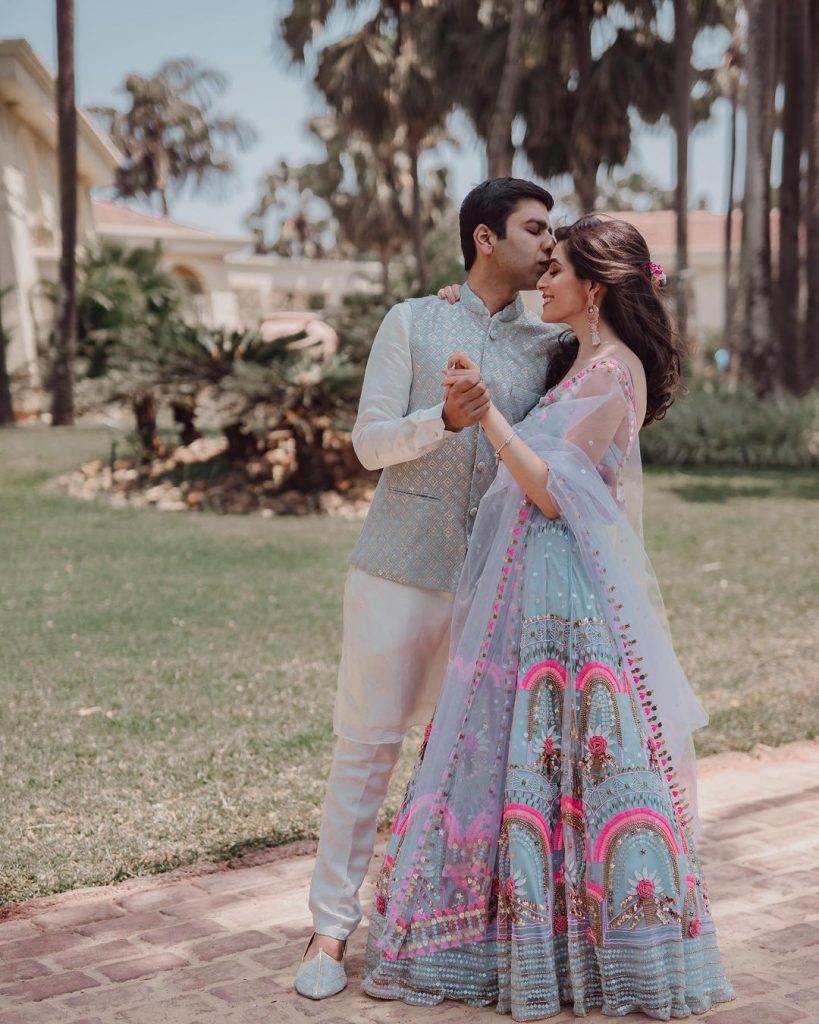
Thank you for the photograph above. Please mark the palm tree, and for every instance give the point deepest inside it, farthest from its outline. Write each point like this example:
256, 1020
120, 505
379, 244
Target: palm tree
6, 408
795, 24
499, 148
578, 104
757, 353
810, 365
170, 134
62, 399
729, 80
684, 41
365, 209
377, 81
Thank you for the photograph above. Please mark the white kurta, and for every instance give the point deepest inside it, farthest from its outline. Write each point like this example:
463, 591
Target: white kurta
396, 637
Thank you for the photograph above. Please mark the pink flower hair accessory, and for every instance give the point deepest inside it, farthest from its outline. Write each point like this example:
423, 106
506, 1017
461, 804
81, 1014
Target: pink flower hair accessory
658, 274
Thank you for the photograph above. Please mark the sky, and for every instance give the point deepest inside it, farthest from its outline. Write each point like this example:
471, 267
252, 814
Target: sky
116, 37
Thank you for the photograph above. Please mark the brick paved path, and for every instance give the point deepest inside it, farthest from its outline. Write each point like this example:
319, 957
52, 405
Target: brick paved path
223, 947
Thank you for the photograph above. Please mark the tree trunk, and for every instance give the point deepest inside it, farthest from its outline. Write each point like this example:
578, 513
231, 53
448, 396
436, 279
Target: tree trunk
386, 259
583, 157
242, 443
312, 474
499, 150
62, 403
184, 413
6, 408
758, 352
683, 41
795, 26
417, 223
728, 339
810, 355
144, 405
585, 188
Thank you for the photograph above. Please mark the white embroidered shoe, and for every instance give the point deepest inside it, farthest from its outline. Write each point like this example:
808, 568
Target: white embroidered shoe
320, 977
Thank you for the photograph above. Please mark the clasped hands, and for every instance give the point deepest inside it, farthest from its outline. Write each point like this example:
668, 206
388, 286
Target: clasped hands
466, 396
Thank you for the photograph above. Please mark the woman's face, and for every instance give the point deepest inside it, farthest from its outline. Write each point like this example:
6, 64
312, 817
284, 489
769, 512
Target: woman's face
565, 296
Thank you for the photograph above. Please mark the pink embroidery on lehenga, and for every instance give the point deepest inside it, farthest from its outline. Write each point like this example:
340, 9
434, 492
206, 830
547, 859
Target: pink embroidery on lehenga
599, 670
522, 812
633, 817
550, 669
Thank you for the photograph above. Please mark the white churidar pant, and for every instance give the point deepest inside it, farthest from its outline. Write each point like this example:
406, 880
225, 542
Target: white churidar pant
394, 653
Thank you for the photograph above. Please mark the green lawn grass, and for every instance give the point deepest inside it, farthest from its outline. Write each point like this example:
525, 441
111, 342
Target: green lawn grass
167, 680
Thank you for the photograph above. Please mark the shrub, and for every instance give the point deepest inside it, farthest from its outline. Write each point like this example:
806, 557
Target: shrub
714, 426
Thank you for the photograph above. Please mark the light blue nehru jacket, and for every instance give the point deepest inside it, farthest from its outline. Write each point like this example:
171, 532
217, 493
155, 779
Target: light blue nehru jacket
422, 513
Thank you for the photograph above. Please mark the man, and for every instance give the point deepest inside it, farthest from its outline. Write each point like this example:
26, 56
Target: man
406, 564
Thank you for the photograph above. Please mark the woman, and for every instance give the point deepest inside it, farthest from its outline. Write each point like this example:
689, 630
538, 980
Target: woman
545, 850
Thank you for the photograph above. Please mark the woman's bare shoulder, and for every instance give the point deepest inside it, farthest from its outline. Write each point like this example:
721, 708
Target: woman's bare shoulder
622, 353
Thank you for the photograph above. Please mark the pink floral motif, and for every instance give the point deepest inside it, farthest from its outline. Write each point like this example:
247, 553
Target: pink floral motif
380, 903
694, 928
548, 745
560, 875
598, 744
561, 923
645, 889
428, 730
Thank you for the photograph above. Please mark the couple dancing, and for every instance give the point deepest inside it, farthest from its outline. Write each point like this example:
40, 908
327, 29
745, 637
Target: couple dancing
545, 852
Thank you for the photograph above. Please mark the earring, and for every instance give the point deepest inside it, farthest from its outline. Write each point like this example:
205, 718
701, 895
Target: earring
593, 320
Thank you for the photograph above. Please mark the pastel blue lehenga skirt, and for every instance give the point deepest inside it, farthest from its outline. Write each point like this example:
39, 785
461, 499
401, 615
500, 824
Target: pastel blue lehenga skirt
599, 899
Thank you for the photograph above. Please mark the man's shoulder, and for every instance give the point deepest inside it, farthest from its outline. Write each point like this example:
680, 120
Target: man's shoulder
427, 304
533, 321
545, 336
409, 309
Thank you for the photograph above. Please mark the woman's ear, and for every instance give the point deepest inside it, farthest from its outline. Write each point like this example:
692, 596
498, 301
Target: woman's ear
596, 293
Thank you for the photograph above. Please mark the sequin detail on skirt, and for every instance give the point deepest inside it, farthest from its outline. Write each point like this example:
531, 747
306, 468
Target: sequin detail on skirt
598, 899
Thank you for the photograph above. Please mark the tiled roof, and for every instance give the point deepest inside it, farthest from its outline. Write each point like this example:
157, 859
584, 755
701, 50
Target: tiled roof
706, 231
109, 213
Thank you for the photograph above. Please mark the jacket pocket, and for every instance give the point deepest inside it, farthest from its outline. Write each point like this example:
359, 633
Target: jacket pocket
415, 494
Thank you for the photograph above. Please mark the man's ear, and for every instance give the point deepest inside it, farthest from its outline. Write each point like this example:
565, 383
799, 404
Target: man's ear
484, 239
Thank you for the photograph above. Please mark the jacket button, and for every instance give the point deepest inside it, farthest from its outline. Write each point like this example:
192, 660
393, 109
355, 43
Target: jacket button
473, 512
481, 467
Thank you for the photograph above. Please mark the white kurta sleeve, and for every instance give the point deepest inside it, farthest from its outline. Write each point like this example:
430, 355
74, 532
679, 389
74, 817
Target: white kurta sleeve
384, 434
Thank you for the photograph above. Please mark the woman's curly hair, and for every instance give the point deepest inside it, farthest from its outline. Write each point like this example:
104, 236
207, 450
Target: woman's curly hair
614, 253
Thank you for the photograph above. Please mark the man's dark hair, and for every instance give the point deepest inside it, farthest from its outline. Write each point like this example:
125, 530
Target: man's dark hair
490, 203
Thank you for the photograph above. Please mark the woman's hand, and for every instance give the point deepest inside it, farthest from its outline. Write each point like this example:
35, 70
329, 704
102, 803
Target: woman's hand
466, 397
461, 361
460, 369
450, 292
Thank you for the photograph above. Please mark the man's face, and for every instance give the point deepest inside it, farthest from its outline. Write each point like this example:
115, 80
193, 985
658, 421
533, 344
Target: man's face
523, 256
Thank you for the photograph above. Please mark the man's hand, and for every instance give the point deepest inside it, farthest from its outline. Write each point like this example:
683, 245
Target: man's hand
467, 399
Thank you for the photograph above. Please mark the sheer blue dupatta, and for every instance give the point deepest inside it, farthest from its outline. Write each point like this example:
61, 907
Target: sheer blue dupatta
443, 885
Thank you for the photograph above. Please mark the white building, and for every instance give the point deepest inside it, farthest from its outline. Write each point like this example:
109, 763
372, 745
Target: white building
29, 191
229, 287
